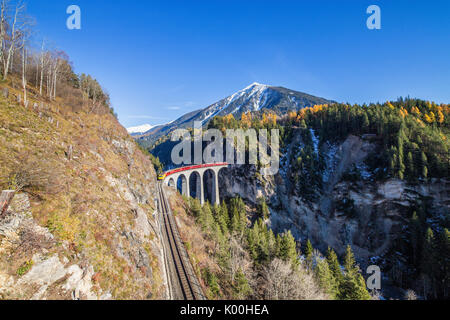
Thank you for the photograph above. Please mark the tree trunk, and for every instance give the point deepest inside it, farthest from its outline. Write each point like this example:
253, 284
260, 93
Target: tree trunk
55, 78
42, 67
24, 74
2, 31
12, 45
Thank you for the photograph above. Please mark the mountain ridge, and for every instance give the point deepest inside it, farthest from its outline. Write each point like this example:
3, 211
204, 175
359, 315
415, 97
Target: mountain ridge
140, 129
254, 98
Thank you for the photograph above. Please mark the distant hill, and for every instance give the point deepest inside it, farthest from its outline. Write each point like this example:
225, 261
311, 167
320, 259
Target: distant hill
135, 131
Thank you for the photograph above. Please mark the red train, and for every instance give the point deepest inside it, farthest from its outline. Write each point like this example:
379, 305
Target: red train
200, 166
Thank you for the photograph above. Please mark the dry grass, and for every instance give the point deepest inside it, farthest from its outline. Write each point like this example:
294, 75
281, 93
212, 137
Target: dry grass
73, 198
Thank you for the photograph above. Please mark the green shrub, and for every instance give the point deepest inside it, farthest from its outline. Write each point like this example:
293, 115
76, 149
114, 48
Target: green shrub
23, 269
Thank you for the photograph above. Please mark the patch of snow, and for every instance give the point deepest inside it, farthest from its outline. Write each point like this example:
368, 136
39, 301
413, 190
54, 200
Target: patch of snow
255, 94
330, 161
140, 129
315, 142
212, 112
375, 259
264, 96
364, 171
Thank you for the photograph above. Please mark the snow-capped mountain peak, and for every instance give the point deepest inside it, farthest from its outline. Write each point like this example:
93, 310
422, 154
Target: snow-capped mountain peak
140, 129
252, 98
256, 97
256, 84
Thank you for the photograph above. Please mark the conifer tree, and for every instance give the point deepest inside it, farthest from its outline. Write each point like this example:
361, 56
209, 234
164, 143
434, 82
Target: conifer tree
196, 207
206, 218
258, 237
238, 216
254, 242
415, 236
428, 265
272, 244
241, 288
221, 217
410, 165
212, 281
303, 124
334, 265
349, 261
424, 162
353, 286
288, 248
365, 122
235, 221
425, 172
309, 255
325, 278
263, 209
219, 236
442, 272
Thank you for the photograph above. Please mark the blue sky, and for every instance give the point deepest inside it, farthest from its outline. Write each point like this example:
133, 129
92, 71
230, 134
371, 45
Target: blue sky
162, 59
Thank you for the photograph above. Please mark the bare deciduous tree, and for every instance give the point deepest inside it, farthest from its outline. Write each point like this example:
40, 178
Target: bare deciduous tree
3, 18
24, 71
11, 41
42, 63
239, 259
49, 70
286, 283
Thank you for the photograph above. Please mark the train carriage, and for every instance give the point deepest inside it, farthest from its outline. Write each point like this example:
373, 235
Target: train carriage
200, 166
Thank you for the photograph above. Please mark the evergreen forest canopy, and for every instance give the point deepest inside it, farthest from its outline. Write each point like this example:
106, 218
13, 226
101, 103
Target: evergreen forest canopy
412, 139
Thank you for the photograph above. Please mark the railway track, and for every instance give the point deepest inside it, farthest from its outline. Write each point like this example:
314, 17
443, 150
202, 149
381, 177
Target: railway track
182, 276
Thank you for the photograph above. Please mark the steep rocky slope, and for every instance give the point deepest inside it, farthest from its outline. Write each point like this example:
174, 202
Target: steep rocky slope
81, 225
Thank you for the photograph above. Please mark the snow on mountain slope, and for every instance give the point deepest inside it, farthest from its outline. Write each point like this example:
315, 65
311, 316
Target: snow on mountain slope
253, 96
140, 129
257, 97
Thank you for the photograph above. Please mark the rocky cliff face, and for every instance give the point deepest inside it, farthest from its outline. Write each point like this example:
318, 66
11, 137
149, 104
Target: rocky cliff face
81, 225
368, 214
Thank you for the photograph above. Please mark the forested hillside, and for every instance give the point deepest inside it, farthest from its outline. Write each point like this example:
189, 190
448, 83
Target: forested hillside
237, 259
386, 164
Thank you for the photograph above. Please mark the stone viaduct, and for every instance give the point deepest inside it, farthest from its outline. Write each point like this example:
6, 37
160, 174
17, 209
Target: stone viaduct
199, 173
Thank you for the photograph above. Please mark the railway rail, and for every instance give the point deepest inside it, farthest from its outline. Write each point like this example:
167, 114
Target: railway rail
182, 275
